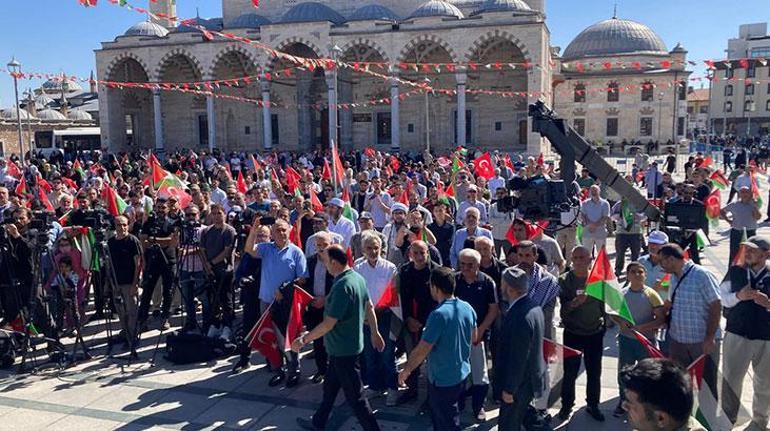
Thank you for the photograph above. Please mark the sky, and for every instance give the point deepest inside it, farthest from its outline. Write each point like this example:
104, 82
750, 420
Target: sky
58, 36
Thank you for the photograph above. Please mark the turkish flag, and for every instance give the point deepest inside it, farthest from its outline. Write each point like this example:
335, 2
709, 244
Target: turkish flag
395, 163
265, 341
292, 179
300, 300
483, 166
327, 171
241, 183
315, 202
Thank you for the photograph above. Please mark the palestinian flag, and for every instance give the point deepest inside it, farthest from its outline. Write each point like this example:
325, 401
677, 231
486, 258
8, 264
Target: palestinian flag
293, 179
715, 413
707, 162
740, 257
579, 233
115, 204
255, 164
603, 285
461, 151
444, 195
701, 240
755, 191
65, 219
18, 325
326, 172
652, 351
555, 355
21, 188
347, 211
457, 164
314, 201
627, 214
43, 198
173, 186
157, 172
718, 180
79, 169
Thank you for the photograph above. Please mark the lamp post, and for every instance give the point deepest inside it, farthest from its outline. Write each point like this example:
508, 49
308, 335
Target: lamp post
748, 107
427, 115
15, 68
30, 101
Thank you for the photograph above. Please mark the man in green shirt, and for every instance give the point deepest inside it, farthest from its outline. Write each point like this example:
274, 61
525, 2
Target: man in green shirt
347, 305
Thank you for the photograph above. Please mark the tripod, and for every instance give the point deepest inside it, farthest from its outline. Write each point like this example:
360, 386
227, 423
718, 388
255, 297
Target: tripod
114, 291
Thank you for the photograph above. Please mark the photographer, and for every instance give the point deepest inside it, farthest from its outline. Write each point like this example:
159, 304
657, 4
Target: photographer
193, 269
16, 265
159, 240
217, 243
127, 250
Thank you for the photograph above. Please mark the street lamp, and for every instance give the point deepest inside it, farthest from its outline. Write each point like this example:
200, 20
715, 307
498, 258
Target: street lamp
15, 68
427, 115
660, 113
748, 108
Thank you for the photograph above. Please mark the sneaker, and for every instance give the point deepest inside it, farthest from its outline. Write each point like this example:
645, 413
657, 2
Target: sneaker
214, 332
595, 413
226, 333
165, 326
391, 400
619, 411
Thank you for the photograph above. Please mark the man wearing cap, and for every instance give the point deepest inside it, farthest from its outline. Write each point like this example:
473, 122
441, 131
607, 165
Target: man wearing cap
651, 262
744, 294
339, 224
393, 230
366, 224
472, 202
742, 215
520, 349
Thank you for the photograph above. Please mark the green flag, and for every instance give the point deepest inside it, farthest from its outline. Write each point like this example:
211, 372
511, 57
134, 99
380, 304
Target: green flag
603, 285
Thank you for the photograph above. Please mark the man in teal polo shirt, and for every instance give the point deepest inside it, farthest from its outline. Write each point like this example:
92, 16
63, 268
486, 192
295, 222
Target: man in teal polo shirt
347, 305
446, 342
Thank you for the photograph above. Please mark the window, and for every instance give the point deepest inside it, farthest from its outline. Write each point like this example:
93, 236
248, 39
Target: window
748, 106
729, 73
203, 130
750, 90
728, 106
383, 128
410, 128
704, 109
682, 90
613, 92
751, 72
648, 92
276, 136
680, 126
768, 85
580, 93
498, 126
767, 106
580, 125
247, 130
728, 91
612, 127
645, 126
690, 109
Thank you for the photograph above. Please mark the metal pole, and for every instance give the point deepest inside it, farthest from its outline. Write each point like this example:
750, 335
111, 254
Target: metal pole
31, 140
660, 113
427, 116
18, 117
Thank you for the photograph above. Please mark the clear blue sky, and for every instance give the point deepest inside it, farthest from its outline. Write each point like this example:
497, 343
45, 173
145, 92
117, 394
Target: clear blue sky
60, 36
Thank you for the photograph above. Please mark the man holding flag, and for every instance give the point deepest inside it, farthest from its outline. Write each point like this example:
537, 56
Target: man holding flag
342, 328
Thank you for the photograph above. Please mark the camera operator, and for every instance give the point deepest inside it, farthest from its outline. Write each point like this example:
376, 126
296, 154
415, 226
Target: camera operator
687, 238
193, 270
217, 243
16, 273
159, 240
6, 207
126, 249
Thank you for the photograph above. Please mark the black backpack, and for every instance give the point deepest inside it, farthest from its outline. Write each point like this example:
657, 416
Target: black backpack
182, 348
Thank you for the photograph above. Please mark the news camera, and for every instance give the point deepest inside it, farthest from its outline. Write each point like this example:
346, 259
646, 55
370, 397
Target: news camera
537, 198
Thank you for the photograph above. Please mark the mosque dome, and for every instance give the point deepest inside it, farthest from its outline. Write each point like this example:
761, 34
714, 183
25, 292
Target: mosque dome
79, 115
613, 37
248, 20
54, 85
10, 114
43, 100
312, 12
437, 8
373, 12
504, 6
50, 115
146, 28
214, 24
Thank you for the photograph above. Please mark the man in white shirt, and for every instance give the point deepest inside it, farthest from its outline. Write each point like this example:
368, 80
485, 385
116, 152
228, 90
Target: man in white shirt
472, 202
217, 195
378, 203
594, 214
339, 224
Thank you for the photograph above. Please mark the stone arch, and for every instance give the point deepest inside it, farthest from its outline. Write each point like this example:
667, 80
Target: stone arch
235, 48
120, 59
290, 42
488, 38
421, 40
195, 64
365, 42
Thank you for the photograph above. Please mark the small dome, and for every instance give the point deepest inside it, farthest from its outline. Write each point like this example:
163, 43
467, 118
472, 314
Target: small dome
615, 36
43, 100
209, 24
312, 12
146, 28
249, 20
504, 6
373, 12
79, 115
10, 114
50, 115
437, 8
54, 85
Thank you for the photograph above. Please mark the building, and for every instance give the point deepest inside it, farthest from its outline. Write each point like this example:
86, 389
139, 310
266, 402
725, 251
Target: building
740, 97
487, 59
618, 83
698, 112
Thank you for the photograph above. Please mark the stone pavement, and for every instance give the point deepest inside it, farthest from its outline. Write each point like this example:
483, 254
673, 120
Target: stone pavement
108, 394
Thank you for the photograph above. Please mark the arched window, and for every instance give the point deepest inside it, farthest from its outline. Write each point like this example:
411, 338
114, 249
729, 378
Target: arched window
580, 93
613, 92
728, 90
648, 91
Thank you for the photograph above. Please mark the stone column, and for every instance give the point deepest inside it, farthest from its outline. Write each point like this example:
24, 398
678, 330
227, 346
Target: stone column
395, 126
212, 122
345, 95
304, 113
331, 84
158, 122
267, 120
461, 77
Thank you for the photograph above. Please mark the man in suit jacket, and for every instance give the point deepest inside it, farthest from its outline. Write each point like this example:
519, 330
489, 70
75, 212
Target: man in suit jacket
520, 349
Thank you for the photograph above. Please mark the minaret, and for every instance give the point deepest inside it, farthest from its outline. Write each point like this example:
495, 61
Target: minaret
165, 8
92, 83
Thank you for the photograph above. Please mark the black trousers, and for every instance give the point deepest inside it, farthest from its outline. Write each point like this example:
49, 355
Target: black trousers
343, 374
168, 273
313, 317
592, 347
250, 299
623, 242
512, 415
444, 411
222, 304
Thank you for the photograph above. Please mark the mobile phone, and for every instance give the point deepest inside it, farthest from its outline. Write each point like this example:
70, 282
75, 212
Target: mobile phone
267, 221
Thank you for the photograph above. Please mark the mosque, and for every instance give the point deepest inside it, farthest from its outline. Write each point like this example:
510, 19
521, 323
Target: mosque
411, 66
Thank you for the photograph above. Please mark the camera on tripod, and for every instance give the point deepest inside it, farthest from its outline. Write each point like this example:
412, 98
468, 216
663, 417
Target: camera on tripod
41, 221
189, 229
536, 198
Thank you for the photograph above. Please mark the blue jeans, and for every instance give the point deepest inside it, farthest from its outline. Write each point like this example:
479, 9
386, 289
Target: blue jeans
380, 366
193, 285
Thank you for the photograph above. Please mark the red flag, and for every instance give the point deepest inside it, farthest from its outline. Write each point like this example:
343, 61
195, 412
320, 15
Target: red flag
652, 351
255, 3
403, 198
255, 163
115, 204
706, 162
483, 166
369, 152
389, 297
300, 300
713, 204
158, 173
292, 179
509, 163
395, 163
21, 188
532, 230
13, 170
295, 236
326, 173
349, 253
44, 200
540, 160
241, 184
265, 341
555, 355
339, 169
315, 202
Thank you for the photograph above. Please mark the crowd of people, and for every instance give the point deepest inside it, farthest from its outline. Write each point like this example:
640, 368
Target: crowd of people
411, 255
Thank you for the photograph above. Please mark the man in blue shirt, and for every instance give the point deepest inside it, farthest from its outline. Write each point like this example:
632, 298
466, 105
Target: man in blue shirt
446, 342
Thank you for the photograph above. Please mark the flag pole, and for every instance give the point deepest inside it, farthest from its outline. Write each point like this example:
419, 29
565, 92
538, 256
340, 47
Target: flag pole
334, 164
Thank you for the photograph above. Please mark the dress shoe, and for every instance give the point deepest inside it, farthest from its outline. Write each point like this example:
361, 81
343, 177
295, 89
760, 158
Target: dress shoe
276, 380
292, 381
242, 365
595, 413
564, 413
307, 424
317, 378
619, 411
